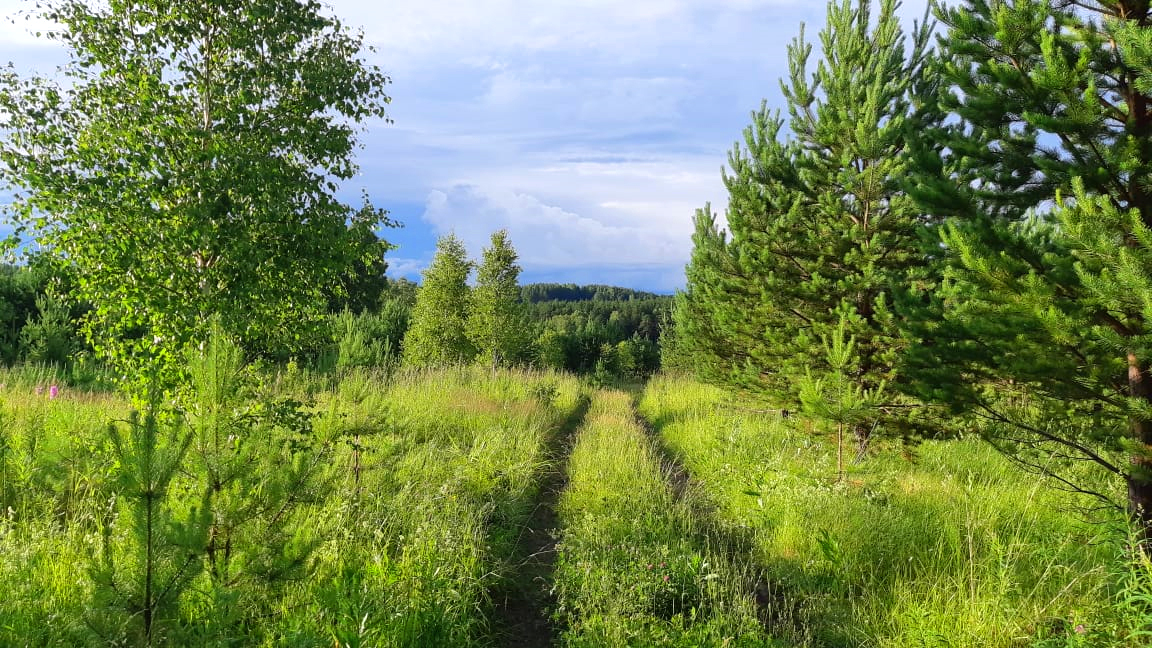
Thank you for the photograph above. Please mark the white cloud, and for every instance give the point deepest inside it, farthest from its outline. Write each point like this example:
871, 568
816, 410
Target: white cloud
406, 267
415, 28
549, 237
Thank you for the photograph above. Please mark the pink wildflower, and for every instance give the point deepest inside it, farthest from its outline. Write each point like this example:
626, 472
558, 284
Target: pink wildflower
1080, 628
665, 578
53, 391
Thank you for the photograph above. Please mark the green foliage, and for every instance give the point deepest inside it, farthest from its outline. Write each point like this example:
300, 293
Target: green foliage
370, 339
257, 459
498, 325
819, 226
637, 358
363, 284
546, 292
49, 338
19, 288
37, 314
553, 349
151, 541
218, 134
836, 397
575, 333
400, 290
607, 367
1040, 326
438, 333
676, 348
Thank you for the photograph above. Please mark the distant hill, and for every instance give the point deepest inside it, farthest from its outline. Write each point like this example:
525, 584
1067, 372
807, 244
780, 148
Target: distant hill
542, 292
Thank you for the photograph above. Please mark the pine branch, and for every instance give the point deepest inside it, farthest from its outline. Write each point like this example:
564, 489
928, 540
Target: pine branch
1085, 451
1068, 485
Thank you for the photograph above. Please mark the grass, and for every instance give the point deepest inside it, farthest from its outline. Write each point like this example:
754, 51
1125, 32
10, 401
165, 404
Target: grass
954, 548
633, 570
428, 476
450, 479
52, 467
716, 526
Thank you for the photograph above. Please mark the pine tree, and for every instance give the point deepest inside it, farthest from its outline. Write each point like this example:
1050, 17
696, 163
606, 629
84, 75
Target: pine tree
716, 319
836, 397
1042, 323
257, 459
438, 333
151, 542
498, 324
819, 225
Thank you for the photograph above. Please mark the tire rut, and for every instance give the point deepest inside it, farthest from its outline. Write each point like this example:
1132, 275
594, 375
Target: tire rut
522, 602
777, 607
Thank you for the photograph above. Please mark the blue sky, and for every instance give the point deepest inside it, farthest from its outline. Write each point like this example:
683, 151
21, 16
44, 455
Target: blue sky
591, 130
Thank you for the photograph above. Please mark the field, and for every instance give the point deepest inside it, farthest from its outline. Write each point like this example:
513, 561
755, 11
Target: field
477, 507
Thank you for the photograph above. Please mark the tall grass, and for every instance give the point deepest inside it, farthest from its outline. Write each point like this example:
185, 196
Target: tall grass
54, 465
955, 547
428, 476
449, 467
82, 374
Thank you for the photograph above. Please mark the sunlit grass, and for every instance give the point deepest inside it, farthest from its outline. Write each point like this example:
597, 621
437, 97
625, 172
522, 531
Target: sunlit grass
633, 570
432, 473
955, 548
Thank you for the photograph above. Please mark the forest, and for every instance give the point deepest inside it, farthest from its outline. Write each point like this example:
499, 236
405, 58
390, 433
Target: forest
607, 331
903, 397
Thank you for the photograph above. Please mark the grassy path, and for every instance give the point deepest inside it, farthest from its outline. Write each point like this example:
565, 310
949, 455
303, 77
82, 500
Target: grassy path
634, 567
522, 602
735, 545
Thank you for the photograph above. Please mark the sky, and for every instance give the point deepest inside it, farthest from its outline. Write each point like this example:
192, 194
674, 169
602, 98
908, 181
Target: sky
592, 130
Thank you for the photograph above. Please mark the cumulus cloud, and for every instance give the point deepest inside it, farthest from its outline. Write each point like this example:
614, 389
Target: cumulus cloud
406, 267
549, 237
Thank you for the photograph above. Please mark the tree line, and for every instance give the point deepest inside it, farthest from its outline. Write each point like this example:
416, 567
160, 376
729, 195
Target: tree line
569, 292
606, 331
960, 232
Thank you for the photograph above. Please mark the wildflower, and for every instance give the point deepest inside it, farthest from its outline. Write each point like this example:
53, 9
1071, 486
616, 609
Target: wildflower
665, 578
1080, 628
39, 390
53, 391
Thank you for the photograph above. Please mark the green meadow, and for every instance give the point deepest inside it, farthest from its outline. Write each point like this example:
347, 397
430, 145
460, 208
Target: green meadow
676, 513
